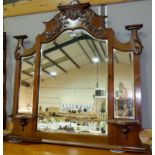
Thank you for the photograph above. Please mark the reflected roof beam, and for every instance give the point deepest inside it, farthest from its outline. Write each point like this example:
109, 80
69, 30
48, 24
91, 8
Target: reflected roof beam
67, 55
96, 49
60, 60
45, 71
26, 84
28, 62
48, 64
116, 58
28, 58
66, 43
103, 50
130, 58
94, 53
52, 61
84, 51
28, 74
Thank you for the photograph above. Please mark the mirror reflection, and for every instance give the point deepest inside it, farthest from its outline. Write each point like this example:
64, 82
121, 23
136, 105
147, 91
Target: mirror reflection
124, 106
26, 85
73, 85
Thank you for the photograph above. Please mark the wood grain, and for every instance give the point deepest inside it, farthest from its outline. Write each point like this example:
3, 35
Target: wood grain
35, 6
121, 133
48, 149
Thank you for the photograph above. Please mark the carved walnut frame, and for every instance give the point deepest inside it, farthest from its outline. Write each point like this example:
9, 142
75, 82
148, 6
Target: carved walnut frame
86, 19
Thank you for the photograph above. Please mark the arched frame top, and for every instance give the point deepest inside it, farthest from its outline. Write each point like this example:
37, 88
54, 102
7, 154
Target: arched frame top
80, 16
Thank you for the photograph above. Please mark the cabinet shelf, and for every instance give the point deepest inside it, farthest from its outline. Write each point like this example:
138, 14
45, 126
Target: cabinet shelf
124, 122
75, 116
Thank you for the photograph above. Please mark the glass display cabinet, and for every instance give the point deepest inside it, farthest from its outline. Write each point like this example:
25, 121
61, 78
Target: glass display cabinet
78, 85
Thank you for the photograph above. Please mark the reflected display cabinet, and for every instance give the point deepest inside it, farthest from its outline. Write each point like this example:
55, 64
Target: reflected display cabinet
78, 85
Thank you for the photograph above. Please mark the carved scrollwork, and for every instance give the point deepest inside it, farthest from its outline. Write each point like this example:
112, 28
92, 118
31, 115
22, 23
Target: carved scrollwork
124, 130
23, 122
87, 22
52, 28
75, 16
17, 53
50, 35
19, 48
73, 12
137, 48
136, 43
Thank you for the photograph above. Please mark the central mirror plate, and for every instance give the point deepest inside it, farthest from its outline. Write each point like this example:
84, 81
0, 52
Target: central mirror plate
73, 85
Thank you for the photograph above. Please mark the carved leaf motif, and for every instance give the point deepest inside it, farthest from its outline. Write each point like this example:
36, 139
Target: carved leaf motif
83, 16
137, 46
135, 41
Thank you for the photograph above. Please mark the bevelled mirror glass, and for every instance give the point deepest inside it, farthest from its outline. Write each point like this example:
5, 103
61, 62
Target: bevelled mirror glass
73, 85
26, 85
124, 102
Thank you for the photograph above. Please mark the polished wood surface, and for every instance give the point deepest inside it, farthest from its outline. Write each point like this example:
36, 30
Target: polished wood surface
4, 81
48, 149
121, 132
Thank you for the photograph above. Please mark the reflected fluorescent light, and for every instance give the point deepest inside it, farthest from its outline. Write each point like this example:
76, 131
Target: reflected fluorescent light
106, 59
95, 59
138, 95
73, 34
53, 73
130, 94
114, 50
33, 73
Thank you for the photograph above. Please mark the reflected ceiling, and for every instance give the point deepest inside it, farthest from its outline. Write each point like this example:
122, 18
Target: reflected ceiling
71, 50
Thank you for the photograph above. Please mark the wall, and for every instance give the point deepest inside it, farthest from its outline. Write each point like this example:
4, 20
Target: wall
119, 15
77, 87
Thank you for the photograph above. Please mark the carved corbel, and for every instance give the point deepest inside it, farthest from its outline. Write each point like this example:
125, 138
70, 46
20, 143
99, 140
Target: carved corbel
135, 41
23, 122
19, 48
23, 119
124, 131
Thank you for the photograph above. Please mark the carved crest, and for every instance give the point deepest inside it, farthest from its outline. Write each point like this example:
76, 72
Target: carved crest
75, 16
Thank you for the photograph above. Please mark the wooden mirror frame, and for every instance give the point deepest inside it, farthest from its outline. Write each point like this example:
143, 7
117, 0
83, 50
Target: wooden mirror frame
121, 132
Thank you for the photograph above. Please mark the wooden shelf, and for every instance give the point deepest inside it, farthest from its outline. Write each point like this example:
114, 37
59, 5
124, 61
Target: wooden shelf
124, 122
23, 116
75, 116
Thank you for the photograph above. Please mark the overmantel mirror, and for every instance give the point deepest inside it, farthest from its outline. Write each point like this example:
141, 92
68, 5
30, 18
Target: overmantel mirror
78, 85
